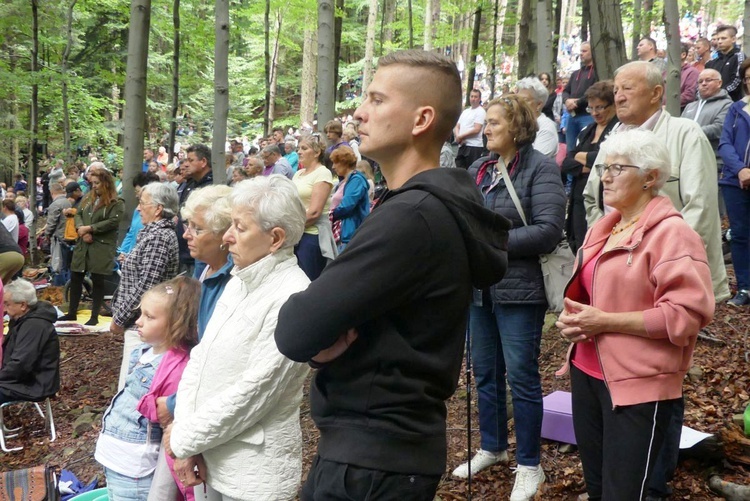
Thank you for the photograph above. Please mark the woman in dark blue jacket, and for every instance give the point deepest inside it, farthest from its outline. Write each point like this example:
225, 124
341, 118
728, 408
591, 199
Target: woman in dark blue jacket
734, 148
506, 323
350, 203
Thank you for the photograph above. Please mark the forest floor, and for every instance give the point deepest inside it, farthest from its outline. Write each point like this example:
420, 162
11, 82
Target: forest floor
90, 367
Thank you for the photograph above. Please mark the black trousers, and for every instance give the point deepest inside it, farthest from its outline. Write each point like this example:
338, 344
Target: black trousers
332, 481
97, 294
467, 155
618, 446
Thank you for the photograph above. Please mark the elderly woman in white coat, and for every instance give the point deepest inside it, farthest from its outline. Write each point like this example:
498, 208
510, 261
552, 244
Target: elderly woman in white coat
237, 412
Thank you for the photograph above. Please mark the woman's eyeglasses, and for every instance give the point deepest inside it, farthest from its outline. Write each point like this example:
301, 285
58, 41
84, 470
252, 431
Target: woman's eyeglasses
613, 169
193, 230
597, 109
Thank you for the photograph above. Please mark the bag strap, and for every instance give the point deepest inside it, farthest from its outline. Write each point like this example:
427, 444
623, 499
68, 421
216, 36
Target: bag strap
511, 190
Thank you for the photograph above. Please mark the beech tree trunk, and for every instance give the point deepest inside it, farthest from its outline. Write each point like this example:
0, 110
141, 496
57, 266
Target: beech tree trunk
585, 20
309, 70
267, 68
135, 103
674, 62
607, 40
428, 25
411, 25
637, 15
326, 64
338, 28
274, 73
493, 63
175, 78
372, 18
471, 64
34, 118
545, 55
221, 92
64, 71
526, 47
746, 24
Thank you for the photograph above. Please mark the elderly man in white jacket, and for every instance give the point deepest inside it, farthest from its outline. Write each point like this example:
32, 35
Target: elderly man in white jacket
238, 401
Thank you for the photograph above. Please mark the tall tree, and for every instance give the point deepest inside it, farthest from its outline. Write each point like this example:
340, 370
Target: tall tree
493, 63
607, 39
411, 25
427, 44
309, 71
674, 62
326, 66
221, 92
267, 68
175, 76
637, 15
372, 18
64, 71
472, 62
34, 159
746, 24
526, 44
135, 102
274, 72
544, 35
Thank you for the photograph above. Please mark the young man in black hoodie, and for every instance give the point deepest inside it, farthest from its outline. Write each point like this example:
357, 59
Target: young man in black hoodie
385, 322
728, 61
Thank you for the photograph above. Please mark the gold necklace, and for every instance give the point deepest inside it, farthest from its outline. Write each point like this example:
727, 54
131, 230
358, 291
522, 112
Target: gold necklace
616, 230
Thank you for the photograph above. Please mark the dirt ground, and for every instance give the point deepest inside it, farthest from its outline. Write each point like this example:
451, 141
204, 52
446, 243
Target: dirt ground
90, 365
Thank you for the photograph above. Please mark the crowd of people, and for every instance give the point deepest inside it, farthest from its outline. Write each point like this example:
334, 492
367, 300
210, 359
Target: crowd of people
228, 295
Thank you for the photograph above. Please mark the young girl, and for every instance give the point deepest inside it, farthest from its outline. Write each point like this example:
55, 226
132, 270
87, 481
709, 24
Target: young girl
129, 443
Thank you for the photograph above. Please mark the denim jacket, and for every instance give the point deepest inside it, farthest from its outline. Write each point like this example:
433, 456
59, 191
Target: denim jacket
122, 419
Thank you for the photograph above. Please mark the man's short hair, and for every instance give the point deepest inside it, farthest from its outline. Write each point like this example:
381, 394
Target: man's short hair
21, 291
684, 48
475, 91
704, 41
56, 188
202, 152
9, 204
143, 178
443, 91
652, 72
271, 149
726, 27
651, 41
278, 129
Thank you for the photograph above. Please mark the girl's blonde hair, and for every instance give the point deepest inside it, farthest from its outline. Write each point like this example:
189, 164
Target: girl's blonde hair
182, 298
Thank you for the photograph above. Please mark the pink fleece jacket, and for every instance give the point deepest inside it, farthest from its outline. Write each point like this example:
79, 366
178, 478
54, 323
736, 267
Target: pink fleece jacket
165, 383
661, 270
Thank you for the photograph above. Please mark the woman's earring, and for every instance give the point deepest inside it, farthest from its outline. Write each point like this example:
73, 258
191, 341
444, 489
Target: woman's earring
223, 247
645, 187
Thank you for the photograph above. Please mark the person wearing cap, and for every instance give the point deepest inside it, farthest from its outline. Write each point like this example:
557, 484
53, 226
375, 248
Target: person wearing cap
73, 193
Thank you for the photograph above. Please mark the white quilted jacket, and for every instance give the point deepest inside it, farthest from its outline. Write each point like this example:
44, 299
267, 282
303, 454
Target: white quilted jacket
238, 400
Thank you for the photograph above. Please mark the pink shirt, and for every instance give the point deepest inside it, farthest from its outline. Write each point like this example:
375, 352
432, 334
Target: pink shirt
584, 356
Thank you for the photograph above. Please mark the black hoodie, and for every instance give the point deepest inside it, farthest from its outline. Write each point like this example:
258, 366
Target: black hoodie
31, 355
405, 283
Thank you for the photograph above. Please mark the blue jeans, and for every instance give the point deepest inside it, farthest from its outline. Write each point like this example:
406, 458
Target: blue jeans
575, 126
506, 338
124, 488
737, 201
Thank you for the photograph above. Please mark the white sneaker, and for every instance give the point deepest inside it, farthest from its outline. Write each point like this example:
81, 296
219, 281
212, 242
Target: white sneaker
528, 480
481, 460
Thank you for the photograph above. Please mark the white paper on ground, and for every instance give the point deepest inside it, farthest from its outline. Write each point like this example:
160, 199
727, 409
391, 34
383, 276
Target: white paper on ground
690, 437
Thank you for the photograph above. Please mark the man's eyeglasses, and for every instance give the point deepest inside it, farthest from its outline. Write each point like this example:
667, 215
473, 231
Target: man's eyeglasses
597, 109
614, 169
193, 230
706, 80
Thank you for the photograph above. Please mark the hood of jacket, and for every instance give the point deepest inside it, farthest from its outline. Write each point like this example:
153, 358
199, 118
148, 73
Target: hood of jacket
485, 233
719, 96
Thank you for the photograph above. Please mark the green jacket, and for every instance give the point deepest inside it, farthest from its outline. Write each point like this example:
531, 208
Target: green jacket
98, 256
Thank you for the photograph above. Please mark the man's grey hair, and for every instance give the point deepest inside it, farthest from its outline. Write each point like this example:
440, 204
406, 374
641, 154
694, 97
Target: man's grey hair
56, 188
271, 149
650, 70
212, 203
713, 73
643, 149
272, 201
537, 88
21, 291
165, 195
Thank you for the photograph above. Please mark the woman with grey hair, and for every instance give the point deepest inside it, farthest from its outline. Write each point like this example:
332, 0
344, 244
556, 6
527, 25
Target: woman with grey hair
633, 337
237, 413
154, 259
532, 90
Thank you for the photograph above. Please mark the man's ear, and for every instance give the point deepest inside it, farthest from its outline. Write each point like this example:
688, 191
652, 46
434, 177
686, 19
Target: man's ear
424, 120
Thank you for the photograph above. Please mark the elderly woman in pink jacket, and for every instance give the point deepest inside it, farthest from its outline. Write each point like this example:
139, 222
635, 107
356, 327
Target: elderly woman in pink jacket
640, 293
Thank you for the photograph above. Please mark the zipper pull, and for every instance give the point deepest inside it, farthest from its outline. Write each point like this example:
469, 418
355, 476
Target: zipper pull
630, 257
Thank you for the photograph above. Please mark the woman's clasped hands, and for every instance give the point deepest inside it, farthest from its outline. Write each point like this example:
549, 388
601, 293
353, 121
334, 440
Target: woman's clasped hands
580, 322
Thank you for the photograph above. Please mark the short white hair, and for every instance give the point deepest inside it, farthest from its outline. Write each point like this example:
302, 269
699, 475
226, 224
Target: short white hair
643, 149
164, 195
212, 203
537, 88
273, 202
21, 291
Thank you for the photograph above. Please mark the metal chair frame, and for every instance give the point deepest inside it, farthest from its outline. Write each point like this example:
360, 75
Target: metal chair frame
6, 433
